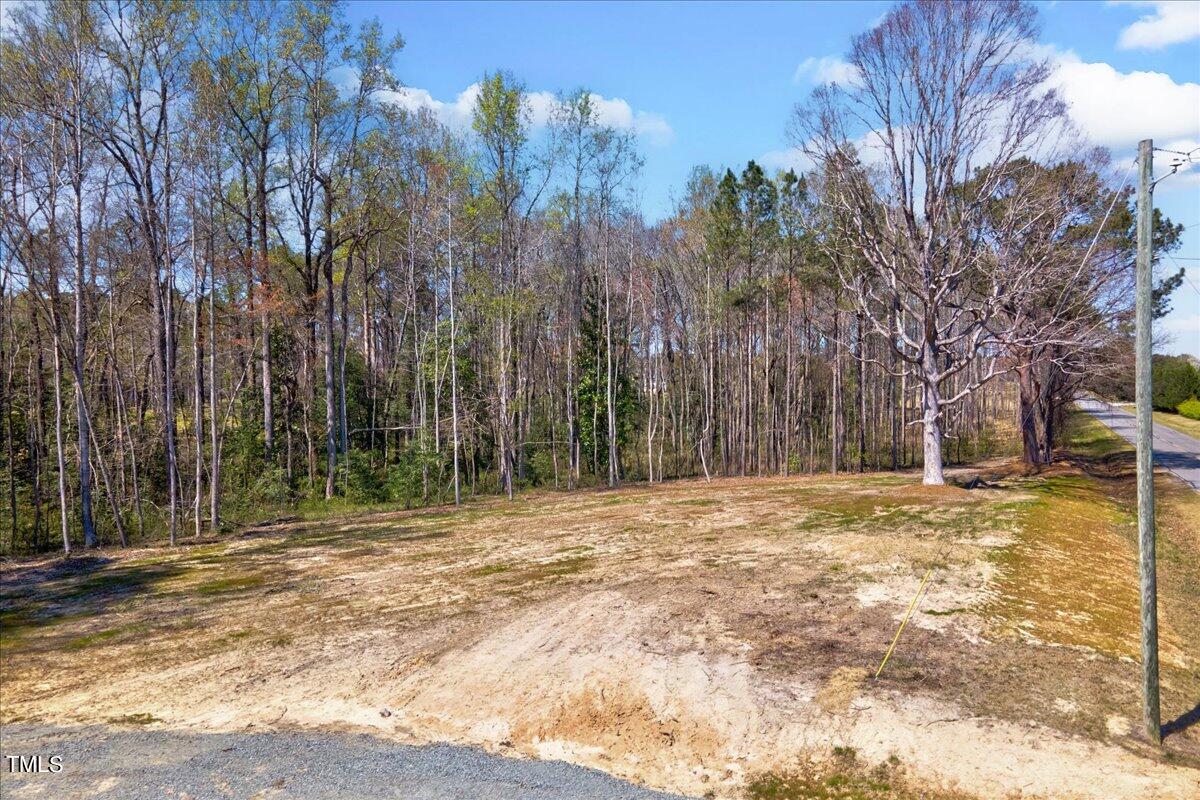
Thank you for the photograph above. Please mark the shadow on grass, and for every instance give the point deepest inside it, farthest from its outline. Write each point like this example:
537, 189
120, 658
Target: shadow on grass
271, 547
1182, 722
45, 594
1110, 466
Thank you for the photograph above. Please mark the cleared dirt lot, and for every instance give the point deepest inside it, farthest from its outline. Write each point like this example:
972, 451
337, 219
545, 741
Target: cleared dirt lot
706, 638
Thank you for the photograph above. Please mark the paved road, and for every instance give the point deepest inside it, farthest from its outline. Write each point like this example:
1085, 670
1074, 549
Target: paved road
138, 764
1174, 450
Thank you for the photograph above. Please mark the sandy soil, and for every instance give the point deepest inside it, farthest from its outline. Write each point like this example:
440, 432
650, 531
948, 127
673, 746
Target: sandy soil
690, 636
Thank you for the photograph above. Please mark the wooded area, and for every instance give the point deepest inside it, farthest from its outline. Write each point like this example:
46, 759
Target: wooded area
239, 274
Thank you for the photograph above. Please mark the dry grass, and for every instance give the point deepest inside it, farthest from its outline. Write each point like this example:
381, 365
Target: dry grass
1179, 422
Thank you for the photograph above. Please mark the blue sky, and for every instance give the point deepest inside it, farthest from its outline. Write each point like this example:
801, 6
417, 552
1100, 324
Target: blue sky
714, 83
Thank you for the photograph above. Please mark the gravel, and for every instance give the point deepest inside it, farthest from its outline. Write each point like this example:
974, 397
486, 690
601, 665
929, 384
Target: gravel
133, 764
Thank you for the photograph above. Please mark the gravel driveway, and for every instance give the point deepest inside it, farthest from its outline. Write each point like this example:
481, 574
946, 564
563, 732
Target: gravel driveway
132, 764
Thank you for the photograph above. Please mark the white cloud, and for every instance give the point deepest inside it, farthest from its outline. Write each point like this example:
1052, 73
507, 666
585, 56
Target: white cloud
617, 113
1110, 108
1171, 22
826, 69
783, 160
1117, 109
454, 114
614, 112
1184, 331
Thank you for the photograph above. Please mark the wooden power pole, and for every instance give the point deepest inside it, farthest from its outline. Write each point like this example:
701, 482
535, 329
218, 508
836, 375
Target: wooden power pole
1145, 445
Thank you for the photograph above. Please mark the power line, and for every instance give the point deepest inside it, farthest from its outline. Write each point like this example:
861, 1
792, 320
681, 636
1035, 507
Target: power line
1183, 271
1187, 154
1190, 157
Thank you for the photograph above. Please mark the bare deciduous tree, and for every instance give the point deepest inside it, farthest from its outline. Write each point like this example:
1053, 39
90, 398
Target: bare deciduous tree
945, 104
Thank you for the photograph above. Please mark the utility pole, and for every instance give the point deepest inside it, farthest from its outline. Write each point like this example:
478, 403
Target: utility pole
1145, 445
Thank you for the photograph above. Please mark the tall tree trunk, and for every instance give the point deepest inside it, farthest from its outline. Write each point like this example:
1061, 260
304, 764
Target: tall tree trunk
198, 276
931, 416
860, 392
609, 374
835, 419
56, 341
453, 351
893, 401
214, 478
341, 354
264, 268
85, 461
1029, 415
58, 439
330, 355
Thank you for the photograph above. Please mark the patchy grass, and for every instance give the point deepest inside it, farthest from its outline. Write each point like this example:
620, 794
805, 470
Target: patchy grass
891, 506
949, 612
1065, 579
1177, 521
491, 569
551, 569
1089, 438
237, 583
124, 632
141, 718
1070, 578
844, 777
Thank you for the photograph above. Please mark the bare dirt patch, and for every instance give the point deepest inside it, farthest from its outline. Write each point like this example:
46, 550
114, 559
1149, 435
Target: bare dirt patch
700, 637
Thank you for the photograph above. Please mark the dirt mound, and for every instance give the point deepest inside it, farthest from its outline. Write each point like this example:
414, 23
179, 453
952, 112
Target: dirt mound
603, 681
591, 681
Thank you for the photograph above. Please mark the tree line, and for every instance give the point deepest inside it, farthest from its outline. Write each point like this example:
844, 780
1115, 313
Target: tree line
238, 274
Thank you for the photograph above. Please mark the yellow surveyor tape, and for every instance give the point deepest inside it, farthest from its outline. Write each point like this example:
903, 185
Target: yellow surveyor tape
907, 614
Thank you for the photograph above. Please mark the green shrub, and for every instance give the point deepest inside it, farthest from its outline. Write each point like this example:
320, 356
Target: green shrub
1190, 408
1175, 380
363, 484
272, 488
415, 477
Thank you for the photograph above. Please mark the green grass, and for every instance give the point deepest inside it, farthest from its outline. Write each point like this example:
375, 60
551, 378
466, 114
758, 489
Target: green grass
872, 512
239, 583
843, 777
74, 589
948, 612
1087, 519
1088, 437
